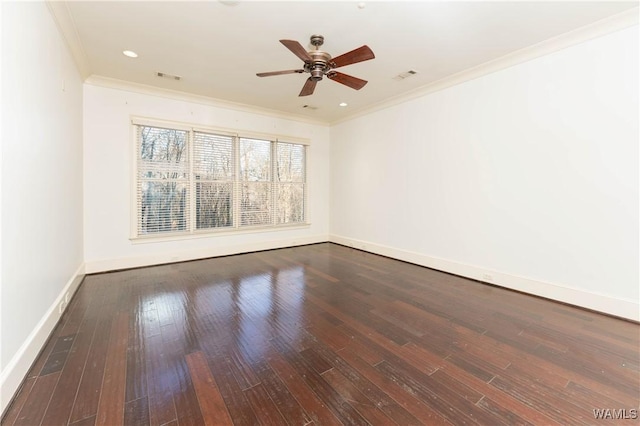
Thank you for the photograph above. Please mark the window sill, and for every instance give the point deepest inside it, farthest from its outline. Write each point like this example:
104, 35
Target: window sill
218, 233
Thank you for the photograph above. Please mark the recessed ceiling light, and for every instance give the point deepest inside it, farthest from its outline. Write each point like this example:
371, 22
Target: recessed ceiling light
362, 5
130, 53
343, 104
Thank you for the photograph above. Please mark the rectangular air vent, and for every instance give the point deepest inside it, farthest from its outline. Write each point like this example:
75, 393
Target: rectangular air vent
405, 74
169, 76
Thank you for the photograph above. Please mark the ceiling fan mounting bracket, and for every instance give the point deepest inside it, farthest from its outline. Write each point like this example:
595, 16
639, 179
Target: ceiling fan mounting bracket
317, 40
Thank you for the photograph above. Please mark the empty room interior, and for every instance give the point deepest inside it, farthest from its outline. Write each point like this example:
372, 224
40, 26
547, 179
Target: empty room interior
319, 213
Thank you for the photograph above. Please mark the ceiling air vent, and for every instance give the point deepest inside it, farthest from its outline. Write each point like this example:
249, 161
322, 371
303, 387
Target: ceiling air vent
405, 74
169, 76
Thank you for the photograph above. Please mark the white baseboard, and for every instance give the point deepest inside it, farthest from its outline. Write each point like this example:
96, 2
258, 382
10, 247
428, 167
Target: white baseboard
94, 266
624, 308
14, 373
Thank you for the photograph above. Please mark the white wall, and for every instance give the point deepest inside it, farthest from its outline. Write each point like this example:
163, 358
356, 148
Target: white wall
527, 177
41, 184
107, 178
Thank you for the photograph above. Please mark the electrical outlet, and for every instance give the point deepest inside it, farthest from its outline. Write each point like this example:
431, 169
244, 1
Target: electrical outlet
487, 277
62, 307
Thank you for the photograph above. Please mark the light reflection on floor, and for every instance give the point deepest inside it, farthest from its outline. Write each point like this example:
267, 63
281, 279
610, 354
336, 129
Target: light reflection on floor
248, 310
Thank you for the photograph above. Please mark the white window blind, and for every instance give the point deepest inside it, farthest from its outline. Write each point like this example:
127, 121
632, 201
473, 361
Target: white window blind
290, 183
255, 179
191, 181
214, 176
163, 181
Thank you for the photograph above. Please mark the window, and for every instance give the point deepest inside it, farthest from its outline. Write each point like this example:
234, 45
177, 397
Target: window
163, 180
214, 175
289, 183
255, 179
195, 181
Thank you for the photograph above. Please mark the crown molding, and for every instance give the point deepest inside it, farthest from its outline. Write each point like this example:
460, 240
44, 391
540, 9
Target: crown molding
64, 21
113, 83
608, 25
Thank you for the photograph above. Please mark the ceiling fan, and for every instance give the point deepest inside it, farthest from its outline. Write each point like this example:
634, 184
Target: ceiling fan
320, 64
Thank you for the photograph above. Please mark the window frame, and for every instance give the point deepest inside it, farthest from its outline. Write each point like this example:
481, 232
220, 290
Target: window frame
192, 231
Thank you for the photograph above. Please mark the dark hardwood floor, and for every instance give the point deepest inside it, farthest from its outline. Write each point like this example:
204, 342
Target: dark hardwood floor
324, 334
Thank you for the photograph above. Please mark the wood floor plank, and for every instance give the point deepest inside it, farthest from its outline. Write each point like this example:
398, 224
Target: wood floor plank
161, 402
58, 357
111, 405
136, 386
76, 309
395, 390
89, 421
242, 371
506, 415
367, 408
278, 392
90, 386
594, 369
307, 399
214, 411
330, 335
184, 395
381, 400
340, 408
446, 401
13, 410
38, 400
535, 396
136, 412
77, 346
500, 402
319, 364
234, 398
266, 411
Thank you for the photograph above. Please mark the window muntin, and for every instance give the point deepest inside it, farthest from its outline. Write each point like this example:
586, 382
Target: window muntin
191, 181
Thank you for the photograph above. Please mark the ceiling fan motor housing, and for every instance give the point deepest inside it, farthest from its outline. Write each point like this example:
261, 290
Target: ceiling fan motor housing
319, 65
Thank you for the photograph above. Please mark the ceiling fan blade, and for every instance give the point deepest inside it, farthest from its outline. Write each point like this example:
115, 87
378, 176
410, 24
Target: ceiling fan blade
360, 54
297, 49
269, 74
347, 80
308, 87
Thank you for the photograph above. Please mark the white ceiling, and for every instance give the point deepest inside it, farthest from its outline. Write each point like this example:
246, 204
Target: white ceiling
217, 47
